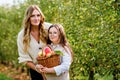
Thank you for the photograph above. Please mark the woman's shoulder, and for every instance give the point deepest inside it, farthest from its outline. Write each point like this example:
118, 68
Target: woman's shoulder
47, 25
21, 33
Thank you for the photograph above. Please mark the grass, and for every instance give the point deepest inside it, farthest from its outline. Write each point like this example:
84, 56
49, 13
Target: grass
4, 77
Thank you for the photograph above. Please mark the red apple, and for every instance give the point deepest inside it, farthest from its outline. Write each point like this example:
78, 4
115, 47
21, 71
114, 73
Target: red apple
47, 52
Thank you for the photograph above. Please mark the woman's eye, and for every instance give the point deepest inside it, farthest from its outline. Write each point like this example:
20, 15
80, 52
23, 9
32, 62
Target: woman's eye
38, 15
32, 15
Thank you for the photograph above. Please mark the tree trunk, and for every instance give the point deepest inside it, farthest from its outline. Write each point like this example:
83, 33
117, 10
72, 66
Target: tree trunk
115, 74
91, 75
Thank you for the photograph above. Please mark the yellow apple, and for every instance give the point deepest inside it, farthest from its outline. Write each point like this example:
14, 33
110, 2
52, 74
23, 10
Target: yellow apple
40, 54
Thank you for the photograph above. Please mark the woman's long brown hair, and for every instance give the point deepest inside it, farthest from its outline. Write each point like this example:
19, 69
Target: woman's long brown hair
27, 27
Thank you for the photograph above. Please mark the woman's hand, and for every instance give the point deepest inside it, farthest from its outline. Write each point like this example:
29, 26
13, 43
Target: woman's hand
39, 68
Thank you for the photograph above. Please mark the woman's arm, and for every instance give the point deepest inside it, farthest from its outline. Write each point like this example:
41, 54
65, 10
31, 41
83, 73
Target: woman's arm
23, 57
31, 65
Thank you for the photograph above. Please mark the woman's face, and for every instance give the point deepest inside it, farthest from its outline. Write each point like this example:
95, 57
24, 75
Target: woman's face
54, 35
35, 18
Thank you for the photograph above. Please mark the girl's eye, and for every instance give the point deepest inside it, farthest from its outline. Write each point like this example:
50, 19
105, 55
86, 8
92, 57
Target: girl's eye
54, 32
50, 32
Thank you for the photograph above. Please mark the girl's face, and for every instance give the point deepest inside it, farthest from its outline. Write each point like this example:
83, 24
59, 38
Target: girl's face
54, 35
35, 18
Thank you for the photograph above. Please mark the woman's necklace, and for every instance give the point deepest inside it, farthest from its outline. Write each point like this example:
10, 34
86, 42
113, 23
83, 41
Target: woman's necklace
39, 45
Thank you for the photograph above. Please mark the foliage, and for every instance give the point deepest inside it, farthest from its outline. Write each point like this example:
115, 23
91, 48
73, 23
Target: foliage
3, 77
92, 28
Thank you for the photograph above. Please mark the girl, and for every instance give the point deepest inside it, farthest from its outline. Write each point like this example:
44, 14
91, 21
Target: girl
57, 40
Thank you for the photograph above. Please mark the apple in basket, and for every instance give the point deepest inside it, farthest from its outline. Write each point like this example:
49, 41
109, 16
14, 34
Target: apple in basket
47, 52
40, 54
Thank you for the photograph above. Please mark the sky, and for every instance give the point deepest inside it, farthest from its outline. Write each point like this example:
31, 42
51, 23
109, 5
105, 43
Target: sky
9, 2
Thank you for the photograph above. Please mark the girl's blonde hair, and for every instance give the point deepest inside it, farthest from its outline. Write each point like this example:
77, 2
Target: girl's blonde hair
27, 27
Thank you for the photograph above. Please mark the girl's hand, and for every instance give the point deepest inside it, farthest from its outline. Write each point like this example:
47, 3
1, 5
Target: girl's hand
48, 70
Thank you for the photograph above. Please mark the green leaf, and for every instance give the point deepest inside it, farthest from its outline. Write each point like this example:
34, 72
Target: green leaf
59, 53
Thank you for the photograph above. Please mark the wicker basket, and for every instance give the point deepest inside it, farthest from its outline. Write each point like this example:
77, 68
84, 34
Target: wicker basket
51, 61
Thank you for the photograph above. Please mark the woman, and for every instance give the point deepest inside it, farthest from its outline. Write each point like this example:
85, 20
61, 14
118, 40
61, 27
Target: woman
57, 40
31, 39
